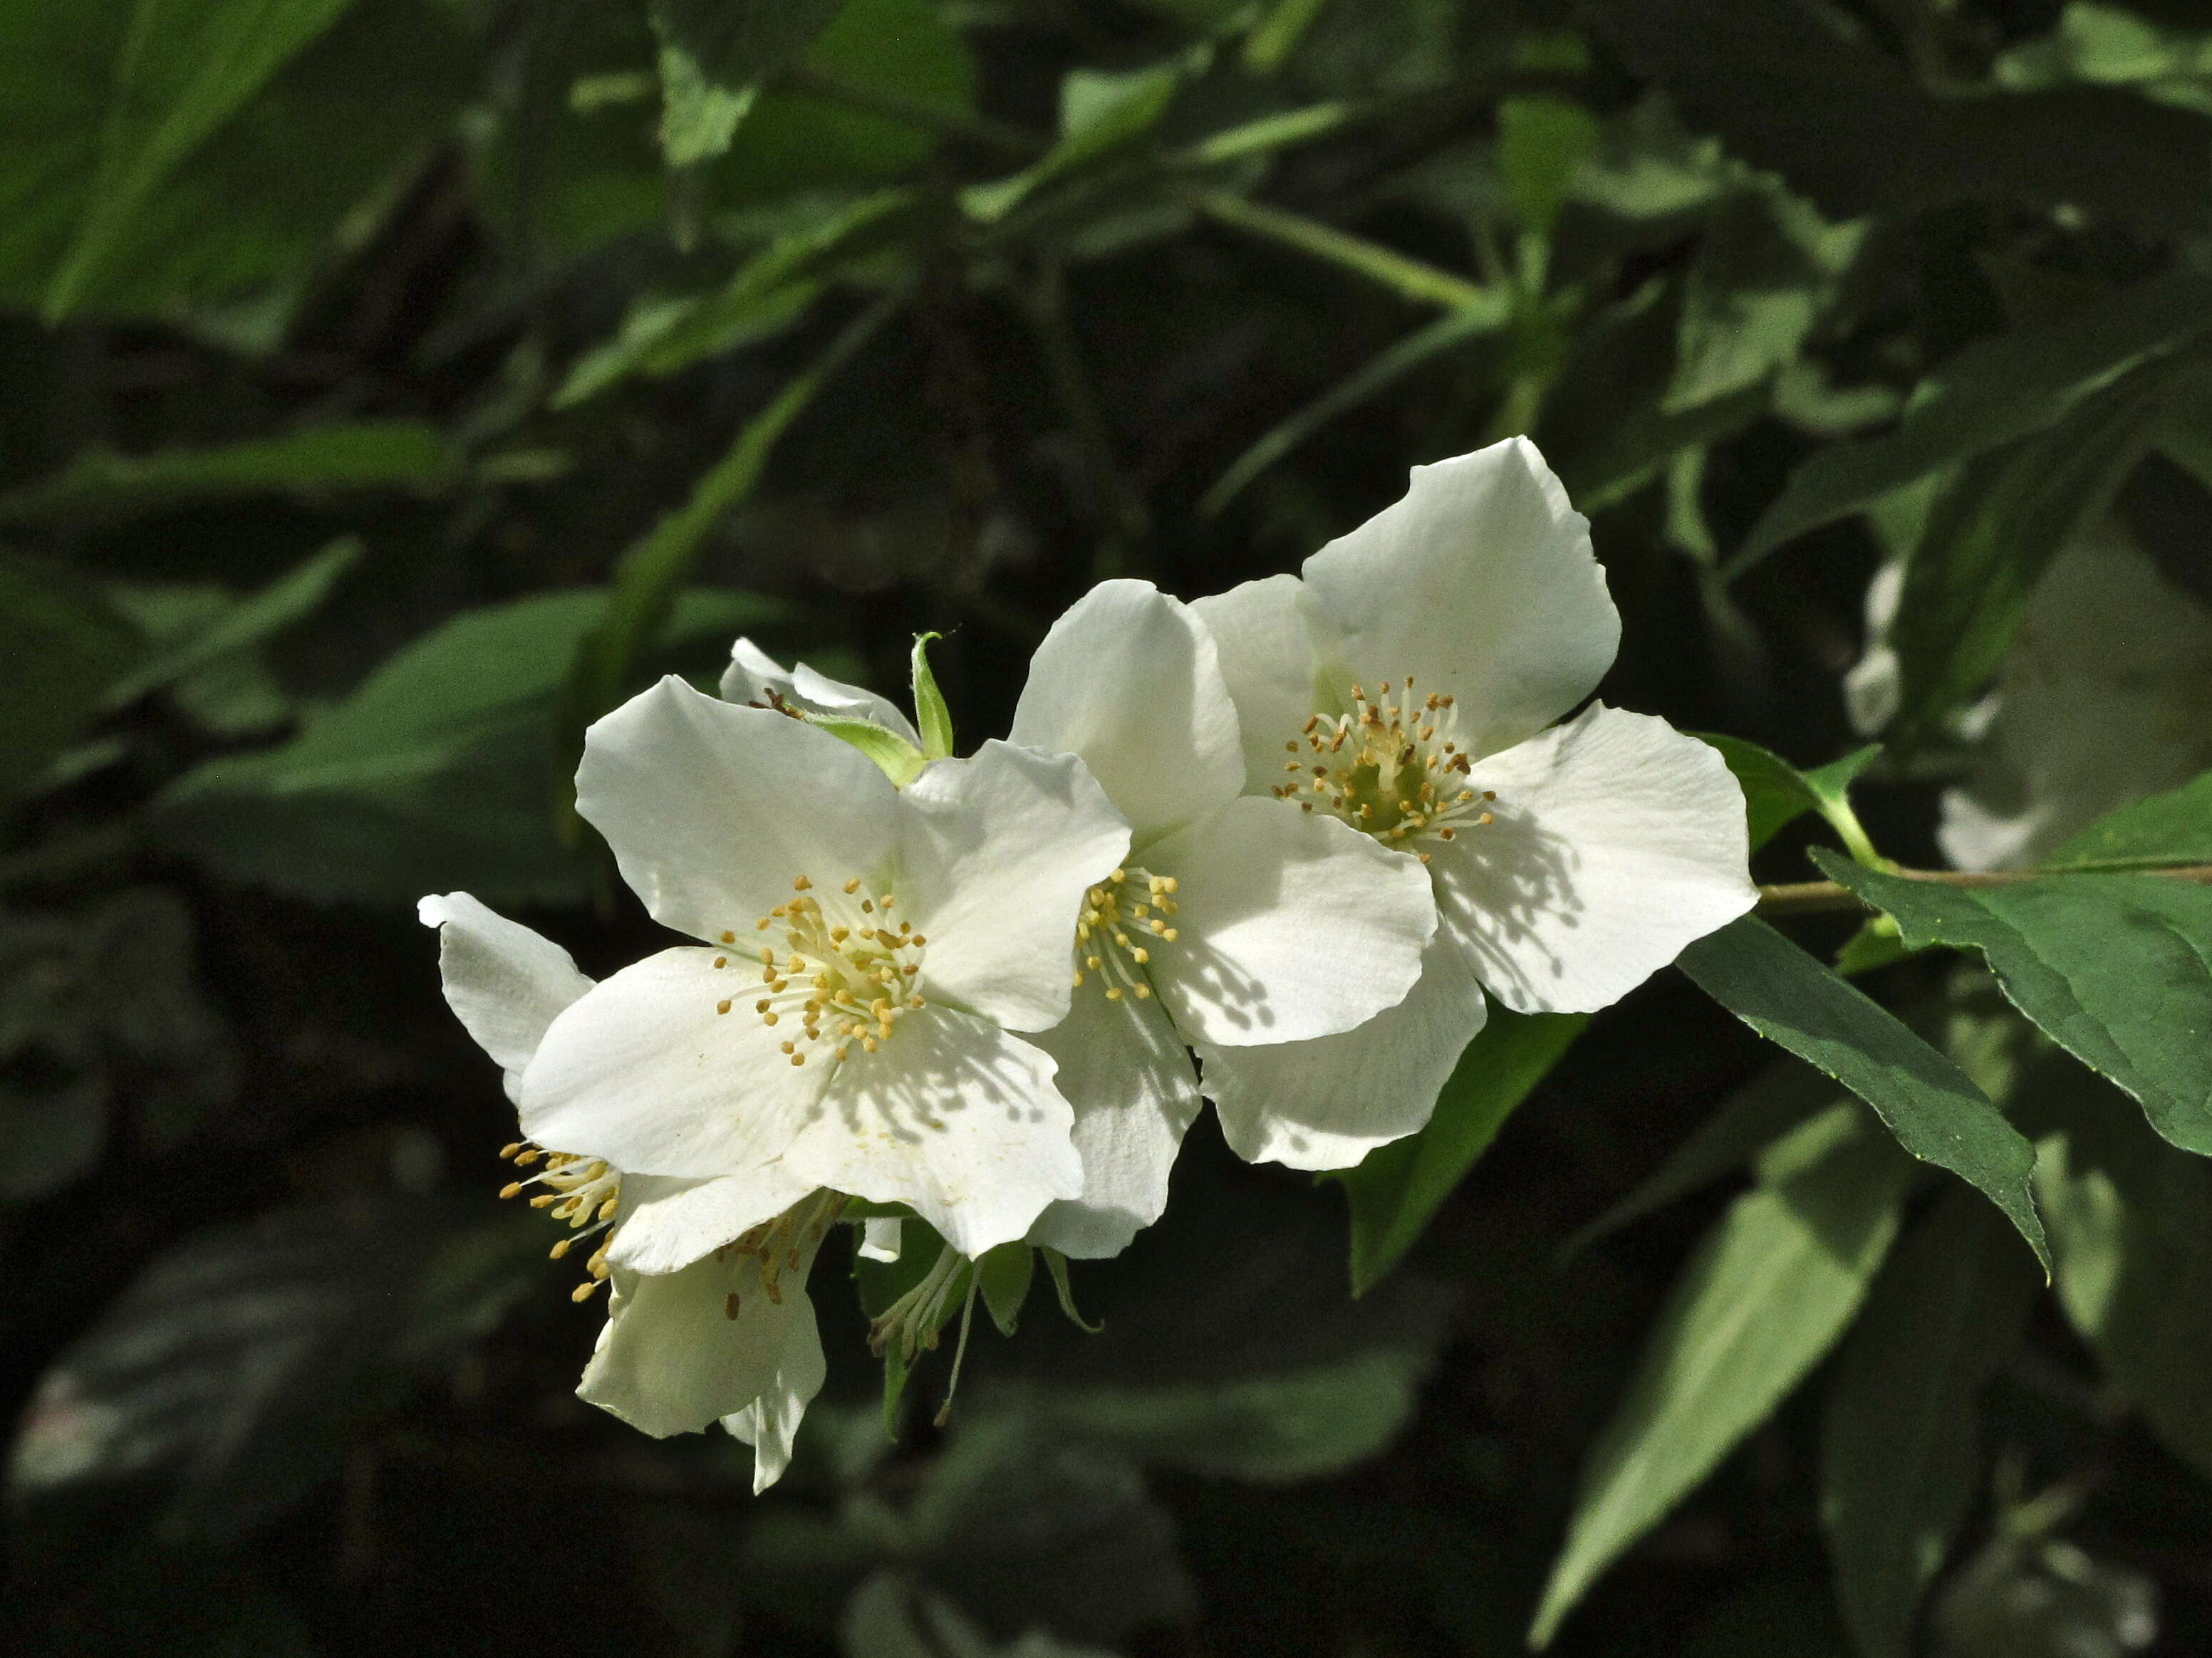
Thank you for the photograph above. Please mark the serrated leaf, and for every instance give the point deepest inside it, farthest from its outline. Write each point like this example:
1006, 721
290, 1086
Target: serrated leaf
2115, 969
1766, 1294
2173, 828
1397, 1189
1933, 1107
1900, 1456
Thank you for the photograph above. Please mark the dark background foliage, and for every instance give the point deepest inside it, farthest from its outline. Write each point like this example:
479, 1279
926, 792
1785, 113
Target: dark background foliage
394, 385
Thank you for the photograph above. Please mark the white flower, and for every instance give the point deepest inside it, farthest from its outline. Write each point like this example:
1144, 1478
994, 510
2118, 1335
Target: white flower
731, 1337
845, 1025
754, 679
1237, 919
1404, 686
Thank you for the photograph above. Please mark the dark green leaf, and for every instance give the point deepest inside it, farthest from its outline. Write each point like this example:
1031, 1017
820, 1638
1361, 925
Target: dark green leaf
714, 56
1927, 1101
292, 598
1988, 394
2115, 969
1397, 1189
1099, 112
64, 648
1776, 793
1542, 144
1900, 1455
2173, 828
1766, 1294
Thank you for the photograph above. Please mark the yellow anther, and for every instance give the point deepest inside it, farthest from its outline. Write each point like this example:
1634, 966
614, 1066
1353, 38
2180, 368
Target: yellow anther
852, 886
799, 884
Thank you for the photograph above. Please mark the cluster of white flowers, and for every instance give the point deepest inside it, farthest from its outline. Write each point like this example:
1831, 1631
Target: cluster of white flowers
1295, 830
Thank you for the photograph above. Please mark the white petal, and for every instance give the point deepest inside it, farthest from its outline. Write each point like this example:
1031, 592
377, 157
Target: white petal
1327, 1102
1479, 583
666, 1223
753, 673
770, 1422
1273, 642
1618, 841
882, 1238
672, 1360
951, 1116
998, 850
713, 810
644, 1072
1135, 1094
1292, 925
504, 982
1127, 680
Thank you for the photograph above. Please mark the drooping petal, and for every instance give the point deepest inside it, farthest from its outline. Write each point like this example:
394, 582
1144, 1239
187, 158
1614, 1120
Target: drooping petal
504, 982
998, 850
644, 1072
1290, 924
770, 1422
1273, 640
1129, 680
951, 1116
1135, 1094
1617, 840
881, 1238
673, 1358
1480, 583
753, 674
1327, 1102
713, 810
666, 1223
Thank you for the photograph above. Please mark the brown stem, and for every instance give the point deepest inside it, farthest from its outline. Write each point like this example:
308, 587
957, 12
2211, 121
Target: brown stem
1827, 897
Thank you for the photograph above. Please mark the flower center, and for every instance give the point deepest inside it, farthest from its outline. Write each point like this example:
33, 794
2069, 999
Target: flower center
786, 1244
582, 1191
846, 974
1113, 910
1392, 767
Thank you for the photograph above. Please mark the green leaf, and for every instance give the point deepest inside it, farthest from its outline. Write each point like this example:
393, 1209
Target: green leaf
2115, 969
2129, 1217
1900, 1456
1100, 110
1776, 793
65, 649
1764, 1295
931, 714
1993, 391
431, 775
650, 573
714, 56
1397, 1189
1003, 1275
316, 460
292, 598
2173, 828
1487, 315
1542, 144
1933, 1107
185, 68
1994, 531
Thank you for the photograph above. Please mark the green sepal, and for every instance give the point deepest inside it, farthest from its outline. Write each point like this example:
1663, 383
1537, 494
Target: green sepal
896, 757
1003, 1275
930, 712
1056, 1264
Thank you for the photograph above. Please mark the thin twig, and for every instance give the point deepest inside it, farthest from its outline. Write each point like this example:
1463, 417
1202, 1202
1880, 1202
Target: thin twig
1408, 277
1829, 897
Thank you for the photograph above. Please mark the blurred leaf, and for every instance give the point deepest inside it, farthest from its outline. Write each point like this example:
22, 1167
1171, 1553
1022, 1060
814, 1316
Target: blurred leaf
1487, 315
714, 56
184, 68
651, 572
769, 294
890, 1617
1767, 267
1542, 145
2129, 1216
1776, 793
1933, 1107
2042, 1597
102, 486
1900, 1446
1100, 110
1988, 394
52, 1135
431, 774
2173, 828
292, 598
228, 1379
64, 648
1397, 1189
2109, 45
1992, 533
1766, 1294
2115, 969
